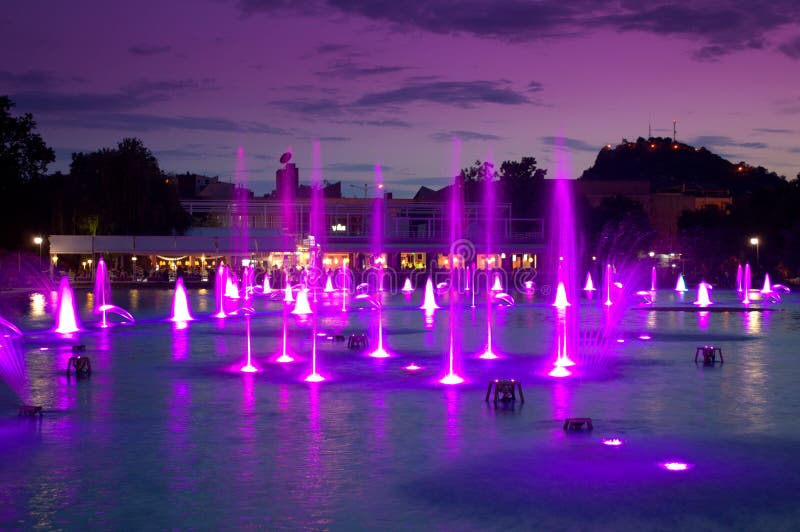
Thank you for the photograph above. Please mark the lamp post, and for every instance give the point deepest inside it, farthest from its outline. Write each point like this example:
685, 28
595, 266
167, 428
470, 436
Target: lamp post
366, 187
754, 242
38, 241
133, 268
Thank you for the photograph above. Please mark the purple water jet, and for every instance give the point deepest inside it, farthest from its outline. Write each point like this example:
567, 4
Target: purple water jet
588, 286
220, 283
180, 303
767, 289
429, 301
747, 279
302, 307
66, 320
703, 297
680, 285
248, 367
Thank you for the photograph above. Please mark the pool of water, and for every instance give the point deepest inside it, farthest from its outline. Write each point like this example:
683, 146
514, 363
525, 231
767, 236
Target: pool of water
169, 434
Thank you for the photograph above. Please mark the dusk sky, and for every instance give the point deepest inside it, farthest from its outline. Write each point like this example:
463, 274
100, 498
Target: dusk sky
394, 83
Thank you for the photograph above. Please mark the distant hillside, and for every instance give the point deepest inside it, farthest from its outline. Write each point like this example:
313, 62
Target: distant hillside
678, 166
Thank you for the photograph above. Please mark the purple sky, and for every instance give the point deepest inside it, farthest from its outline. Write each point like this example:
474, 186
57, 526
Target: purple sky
393, 82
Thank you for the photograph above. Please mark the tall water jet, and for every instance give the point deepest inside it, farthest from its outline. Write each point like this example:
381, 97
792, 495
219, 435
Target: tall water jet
314, 376
456, 225
429, 301
703, 298
102, 291
653, 279
565, 249
344, 285
180, 303
767, 289
377, 253
317, 237
288, 297
489, 207
248, 367
301, 307
240, 224
739, 274
609, 284
220, 283
329, 284
231, 286
746, 280
680, 285
66, 321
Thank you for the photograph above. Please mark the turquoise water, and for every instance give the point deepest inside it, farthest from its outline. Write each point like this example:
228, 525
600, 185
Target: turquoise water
168, 434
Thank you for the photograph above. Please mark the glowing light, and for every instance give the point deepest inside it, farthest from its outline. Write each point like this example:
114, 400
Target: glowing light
767, 289
412, 367
315, 377
644, 337
675, 466
488, 355
589, 285
451, 378
613, 442
329, 285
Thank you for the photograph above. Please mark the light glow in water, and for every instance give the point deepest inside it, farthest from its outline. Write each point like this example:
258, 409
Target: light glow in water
314, 376
221, 281
180, 304
412, 367
613, 442
559, 372
379, 351
609, 273
675, 466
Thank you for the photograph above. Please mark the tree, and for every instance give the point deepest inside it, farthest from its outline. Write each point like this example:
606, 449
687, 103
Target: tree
619, 228
120, 191
23, 161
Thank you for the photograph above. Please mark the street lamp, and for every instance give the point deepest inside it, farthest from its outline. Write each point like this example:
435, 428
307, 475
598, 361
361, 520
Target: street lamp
754, 242
38, 241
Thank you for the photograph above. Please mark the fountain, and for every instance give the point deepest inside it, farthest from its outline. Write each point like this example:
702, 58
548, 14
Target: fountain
746, 280
609, 278
220, 284
680, 285
302, 307
739, 286
497, 286
767, 289
180, 304
66, 321
703, 297
266, 289
456, 221
329, 285
653, 279
429, 301
407, 288
248, 367
102, 291
588, 286
288, 297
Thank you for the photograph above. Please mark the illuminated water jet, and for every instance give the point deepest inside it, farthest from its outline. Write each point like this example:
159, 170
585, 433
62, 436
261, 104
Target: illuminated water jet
220, 283
561, 297
66, 320
302, 307
589, 285
180, 304
248, 368
680, 285
703, 298
429, 302
407, 288
767, 289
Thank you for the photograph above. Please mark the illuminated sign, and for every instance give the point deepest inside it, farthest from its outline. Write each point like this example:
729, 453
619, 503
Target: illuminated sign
338, 228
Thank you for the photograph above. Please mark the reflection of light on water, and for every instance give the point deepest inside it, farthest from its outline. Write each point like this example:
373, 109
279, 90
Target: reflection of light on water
612, 442
752, 322
675, 466
37, 305
702, 319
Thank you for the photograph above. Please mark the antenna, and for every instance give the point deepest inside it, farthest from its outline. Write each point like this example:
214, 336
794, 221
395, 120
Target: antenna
649, 128
674, 130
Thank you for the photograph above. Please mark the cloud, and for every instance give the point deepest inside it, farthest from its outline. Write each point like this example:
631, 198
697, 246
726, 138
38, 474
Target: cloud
149, 49
535, 86
331, 138
791, 48
774, 130
30, 80
355, 168
389, 122
719, 27
138, 122
350, 70
465, 94
570, 143
130, 97
465, 136
725, 141
322, 107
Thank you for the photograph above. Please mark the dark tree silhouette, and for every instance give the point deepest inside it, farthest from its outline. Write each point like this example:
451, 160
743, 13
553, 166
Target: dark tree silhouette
23, 161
